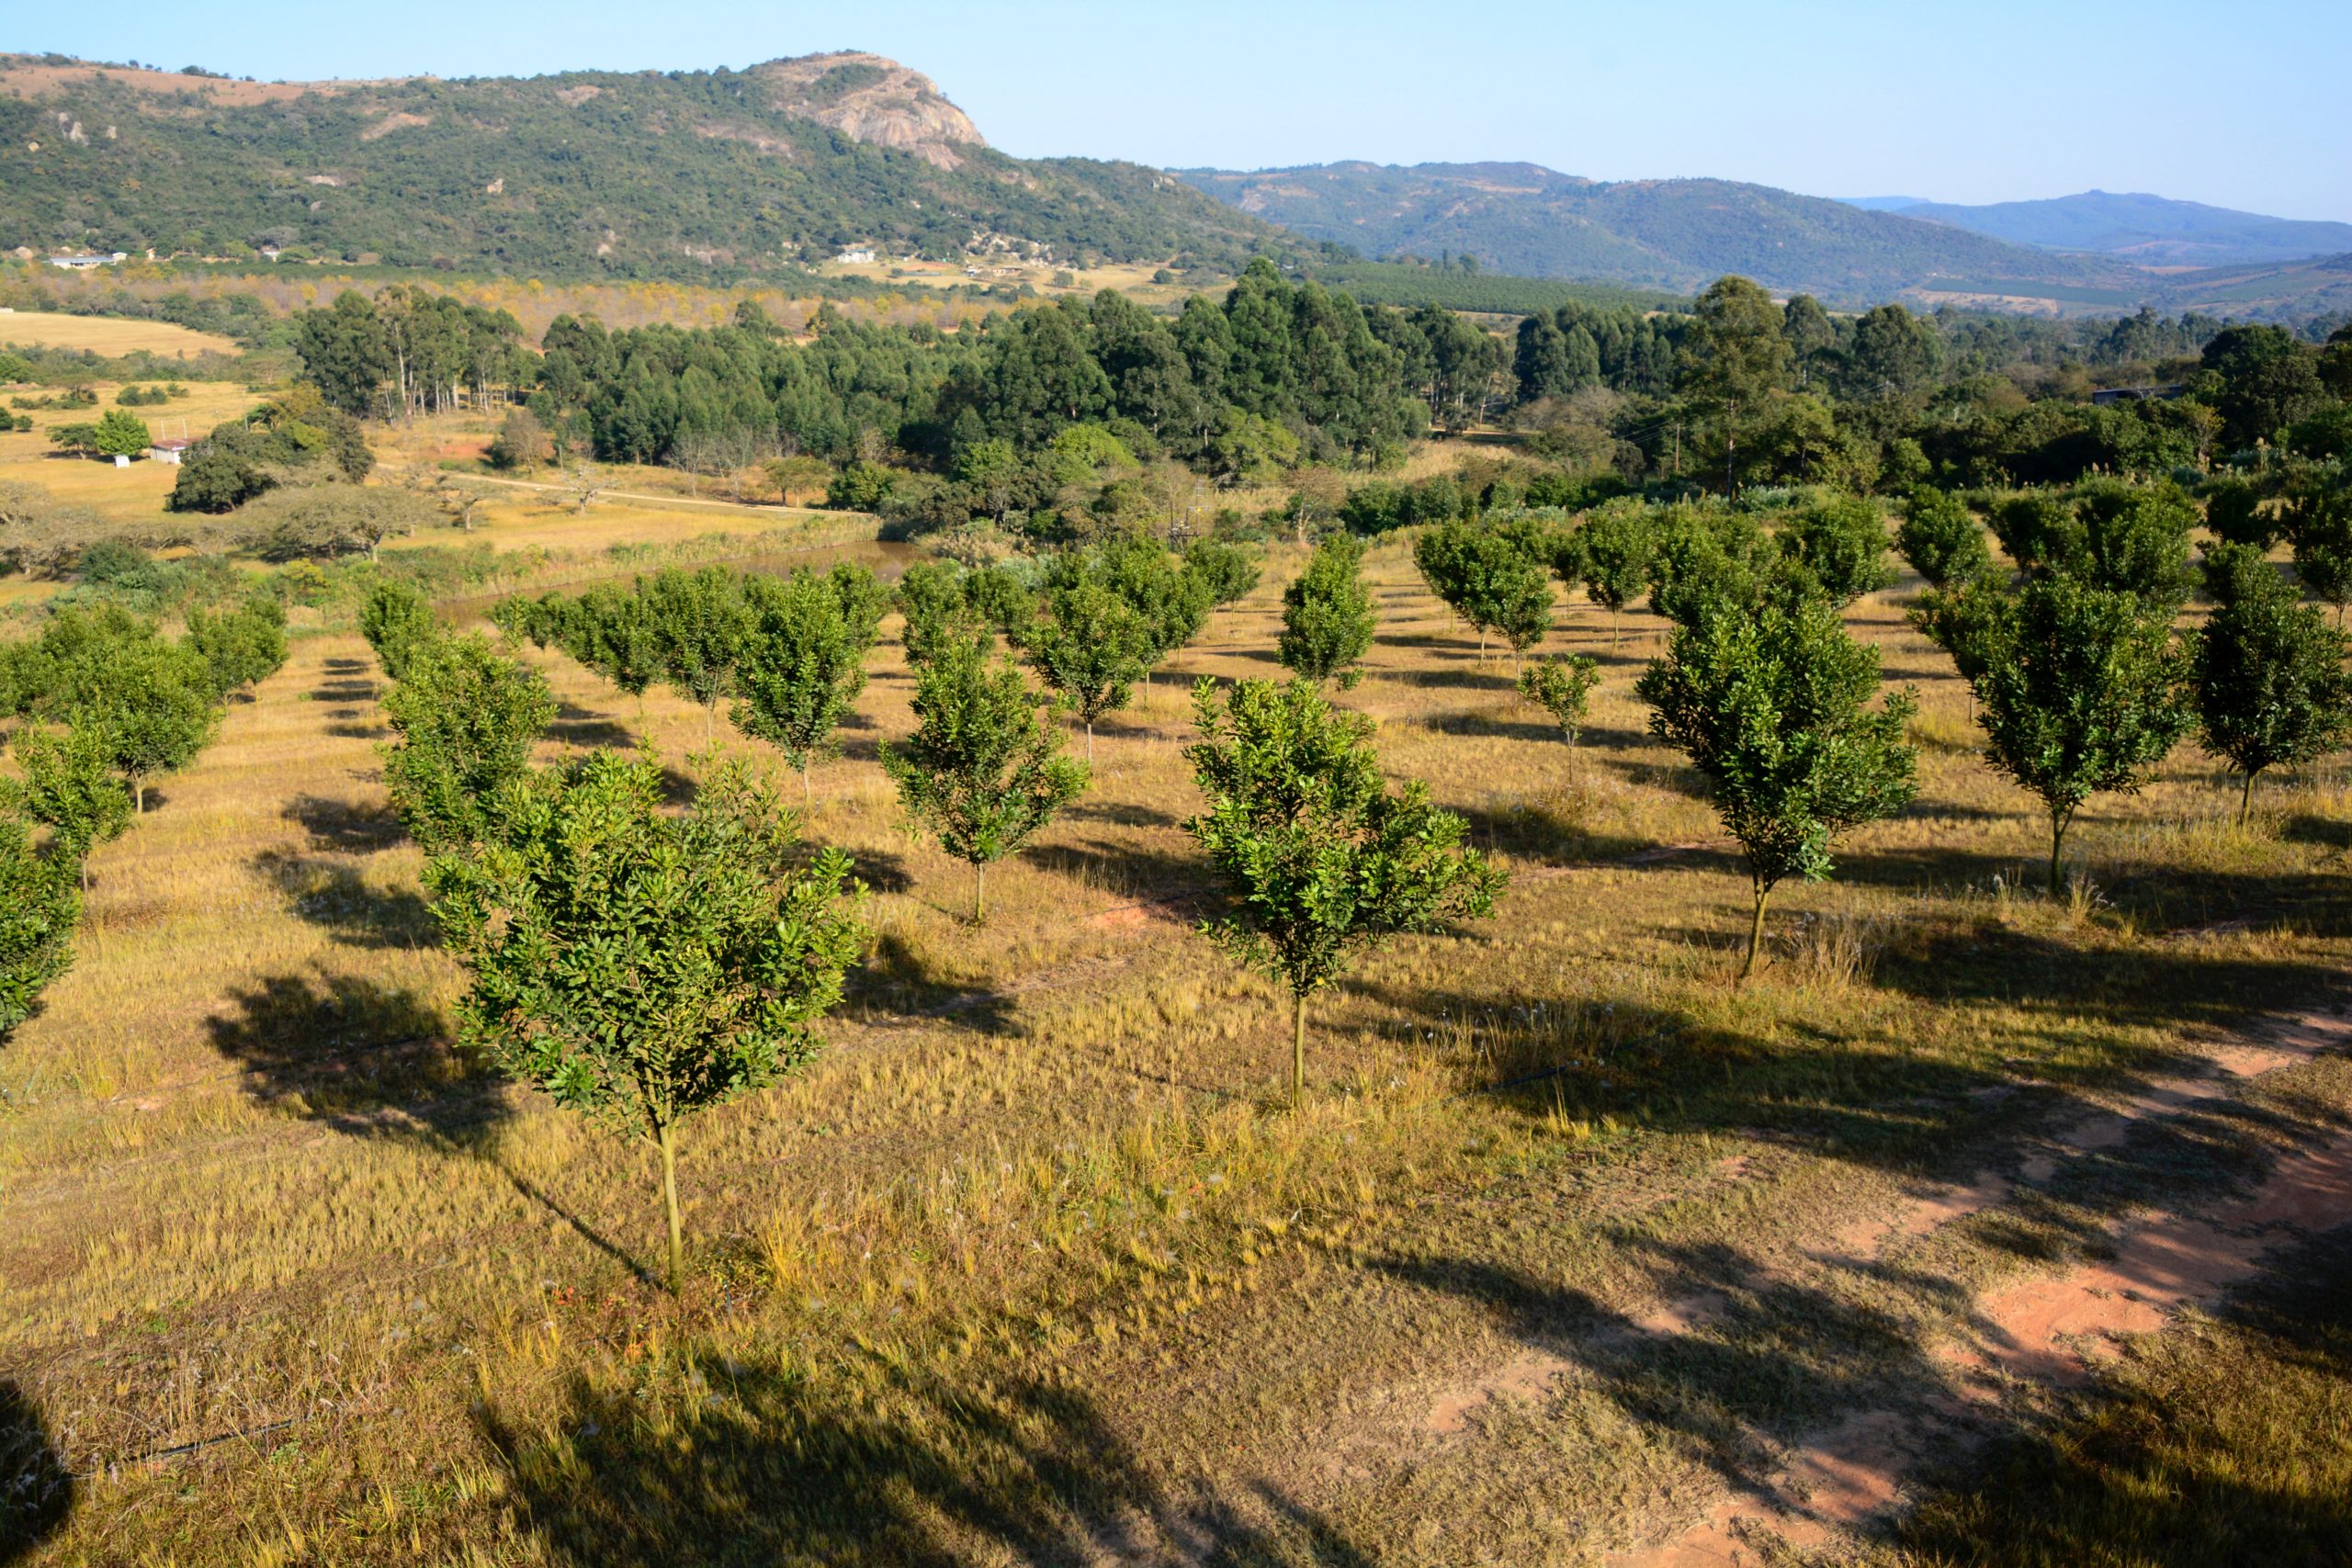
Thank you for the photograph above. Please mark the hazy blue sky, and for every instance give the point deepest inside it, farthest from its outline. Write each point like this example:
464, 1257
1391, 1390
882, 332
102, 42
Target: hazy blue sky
2241, 104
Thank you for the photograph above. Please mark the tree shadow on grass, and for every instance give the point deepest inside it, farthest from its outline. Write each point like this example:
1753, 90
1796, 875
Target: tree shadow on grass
1129, 871
36, 1492
1531, 828
372, 1061
769, 1468
340, 899
344, 826
896, 980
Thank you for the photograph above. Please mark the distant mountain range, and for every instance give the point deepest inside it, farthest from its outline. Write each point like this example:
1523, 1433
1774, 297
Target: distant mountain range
2147, 231
1679, 234
648, 175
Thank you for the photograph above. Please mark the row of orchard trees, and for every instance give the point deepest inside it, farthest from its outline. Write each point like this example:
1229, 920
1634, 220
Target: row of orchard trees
641, 963
2084, 675
104, 705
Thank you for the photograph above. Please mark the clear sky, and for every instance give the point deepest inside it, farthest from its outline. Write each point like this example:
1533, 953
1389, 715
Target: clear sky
2240, 104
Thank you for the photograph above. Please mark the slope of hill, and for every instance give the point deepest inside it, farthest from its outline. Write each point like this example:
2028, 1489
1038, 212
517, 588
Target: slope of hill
1673, 234
632, 174
2151, 231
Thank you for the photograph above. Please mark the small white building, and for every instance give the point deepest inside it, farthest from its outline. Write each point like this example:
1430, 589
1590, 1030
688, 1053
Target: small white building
84, 262
854, 257
170, 449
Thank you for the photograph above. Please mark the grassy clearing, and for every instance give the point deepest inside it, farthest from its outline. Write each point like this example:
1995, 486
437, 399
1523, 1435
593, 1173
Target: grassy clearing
1031, 1266
108, 334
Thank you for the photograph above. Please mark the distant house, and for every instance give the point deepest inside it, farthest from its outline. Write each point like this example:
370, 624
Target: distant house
83, 262
2135, 394
170, 449
854, 257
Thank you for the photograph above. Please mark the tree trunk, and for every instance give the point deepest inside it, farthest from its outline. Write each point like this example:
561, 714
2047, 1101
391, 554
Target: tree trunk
807, 796
2246, 801
2057, 842
670, 1200
1090, 741
1298, 1050
1755, 936
980, 892
138, 795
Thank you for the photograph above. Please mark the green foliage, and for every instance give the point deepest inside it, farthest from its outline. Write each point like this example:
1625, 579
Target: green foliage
39, 908
154, 704
397, 620
1228, 572
1090, 644
1942, 539
2319, 526
1328, 618
980, 769
2078, 687
2233, 511
638, 964
241, 648
290, 439
465, 720
121, 433
1490, 579
803, 660
697, 622
1708, 558
1841, 544
1771, 705
939, 617
1562, 687
1319, 857
2267, 673
68, 784
1613, 549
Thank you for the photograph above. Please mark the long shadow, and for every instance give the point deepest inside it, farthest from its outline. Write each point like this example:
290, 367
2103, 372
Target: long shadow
341, 827
338, 897
1532, 829
2143, 1474
771, 1468
1125, 814
576, 726
1124, 868
896, 980
369, 1061
37, 1491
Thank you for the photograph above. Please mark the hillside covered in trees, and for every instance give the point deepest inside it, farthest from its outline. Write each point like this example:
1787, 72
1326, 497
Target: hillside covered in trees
720, 174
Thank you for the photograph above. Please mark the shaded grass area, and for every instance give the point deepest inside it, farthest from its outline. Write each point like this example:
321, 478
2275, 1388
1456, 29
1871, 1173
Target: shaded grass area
2227, 1439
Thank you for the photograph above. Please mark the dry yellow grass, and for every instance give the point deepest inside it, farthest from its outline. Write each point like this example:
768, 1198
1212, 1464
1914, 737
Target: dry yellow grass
110, 335
1031, 1266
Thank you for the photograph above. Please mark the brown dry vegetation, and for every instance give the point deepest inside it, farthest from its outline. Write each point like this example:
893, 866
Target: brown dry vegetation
108, 334
1031, 1266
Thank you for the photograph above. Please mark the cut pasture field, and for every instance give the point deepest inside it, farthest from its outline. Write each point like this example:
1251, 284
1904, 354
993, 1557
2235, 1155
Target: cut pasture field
110, 335
1033, 1265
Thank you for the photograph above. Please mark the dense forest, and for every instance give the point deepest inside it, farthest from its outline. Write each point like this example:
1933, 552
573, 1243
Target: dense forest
681, 175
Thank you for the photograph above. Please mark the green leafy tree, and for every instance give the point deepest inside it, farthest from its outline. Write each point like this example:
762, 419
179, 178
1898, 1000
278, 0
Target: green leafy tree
641, 966
1841, 545
1614, 548
980, 769
2267, 671
396, 620
2319, 526
1229, 571
937, 615
1706, 559
153, 703
69, 787
2233, 511
1942, 538
465, 719
1732, 360
1771, 703
241, 648
2078, 689
803, 661
1320, 858
696, 623
1328, 620
1562, 687
121, 433
612, 632
38, 910
1489, 579
1091, 645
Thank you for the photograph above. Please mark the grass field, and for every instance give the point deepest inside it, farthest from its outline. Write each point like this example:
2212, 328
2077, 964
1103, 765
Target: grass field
108, 335
1033, 1265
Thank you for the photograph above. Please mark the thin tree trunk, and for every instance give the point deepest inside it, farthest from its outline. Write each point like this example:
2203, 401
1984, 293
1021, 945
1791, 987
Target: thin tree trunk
980, 892
670, 1200
1755, 936
1298, 1050
1089, 740
138, 795
807, 796
2246, 801
2057, 842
